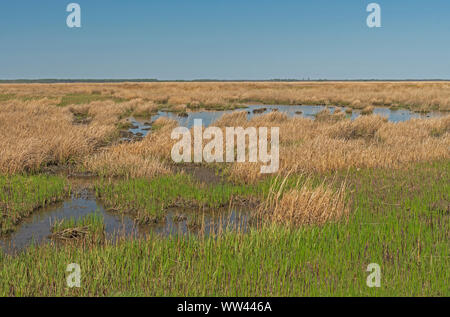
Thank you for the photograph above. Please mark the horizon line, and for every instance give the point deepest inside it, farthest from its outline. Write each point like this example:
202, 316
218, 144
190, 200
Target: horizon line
143, 80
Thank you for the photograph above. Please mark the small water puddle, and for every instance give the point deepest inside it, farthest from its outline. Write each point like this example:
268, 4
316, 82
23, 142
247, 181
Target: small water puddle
188, 222
139, 128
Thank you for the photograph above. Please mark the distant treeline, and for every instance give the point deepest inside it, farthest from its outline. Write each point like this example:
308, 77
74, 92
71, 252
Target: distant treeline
55, 81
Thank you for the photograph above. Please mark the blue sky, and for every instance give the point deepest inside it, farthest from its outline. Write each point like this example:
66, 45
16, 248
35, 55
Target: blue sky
225, 39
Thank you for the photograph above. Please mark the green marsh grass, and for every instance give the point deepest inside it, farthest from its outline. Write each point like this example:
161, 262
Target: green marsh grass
90, 227
400, 220
149, 198
272, 261
20, 195
6, 97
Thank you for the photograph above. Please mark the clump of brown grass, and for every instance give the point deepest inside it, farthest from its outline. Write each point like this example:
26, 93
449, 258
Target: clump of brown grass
270, 118
367, 142
117, 161
147, 158
356, 104
36, 133
233, 119
326, 116
362, 127
164, 122
305, 204
145, 109
323, 115
244, 173
441, 127
367, 110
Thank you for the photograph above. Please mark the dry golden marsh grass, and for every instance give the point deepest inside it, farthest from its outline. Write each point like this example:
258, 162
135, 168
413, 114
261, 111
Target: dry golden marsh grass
337, 143
418, 96
78, 125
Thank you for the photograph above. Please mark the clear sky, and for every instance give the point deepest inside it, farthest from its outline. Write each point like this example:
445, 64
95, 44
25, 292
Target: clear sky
225, 39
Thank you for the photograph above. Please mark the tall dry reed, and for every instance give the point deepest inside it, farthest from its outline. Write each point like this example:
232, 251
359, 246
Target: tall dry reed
304, 204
